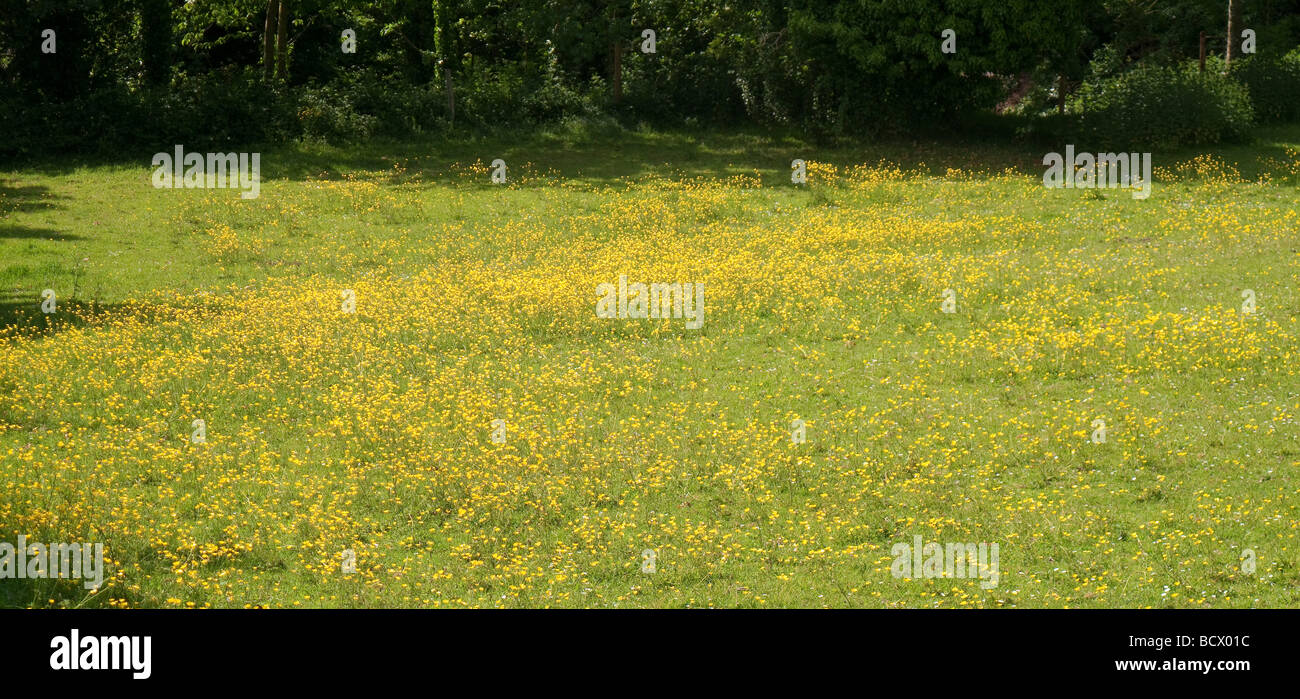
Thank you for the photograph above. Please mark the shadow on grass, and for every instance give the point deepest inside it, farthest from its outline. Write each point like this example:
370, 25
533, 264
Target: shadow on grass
46, 593
610, 159
28, 199
25, 199
601, 156
27, 232
629, 156
22, 593
21, 314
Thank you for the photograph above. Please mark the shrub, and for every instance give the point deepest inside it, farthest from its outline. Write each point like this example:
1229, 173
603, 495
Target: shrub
1162, 107
554, 102
489, 96
327, 114
414, 108
1274, 85
220, 110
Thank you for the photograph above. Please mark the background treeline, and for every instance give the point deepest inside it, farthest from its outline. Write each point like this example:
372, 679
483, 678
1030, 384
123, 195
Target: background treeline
219, 73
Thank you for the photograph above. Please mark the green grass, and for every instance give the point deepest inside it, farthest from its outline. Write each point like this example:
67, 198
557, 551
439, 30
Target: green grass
371, 432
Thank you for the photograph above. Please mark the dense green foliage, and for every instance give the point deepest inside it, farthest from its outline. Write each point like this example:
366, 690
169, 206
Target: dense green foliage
129, 74
1274, 85
1163, 107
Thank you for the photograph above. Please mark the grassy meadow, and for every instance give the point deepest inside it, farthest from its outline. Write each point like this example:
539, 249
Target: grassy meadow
372, 431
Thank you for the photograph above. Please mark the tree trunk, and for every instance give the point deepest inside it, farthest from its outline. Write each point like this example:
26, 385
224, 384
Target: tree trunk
268, 37
1233, 21
282, 44
618, 72
451, 95
616, 53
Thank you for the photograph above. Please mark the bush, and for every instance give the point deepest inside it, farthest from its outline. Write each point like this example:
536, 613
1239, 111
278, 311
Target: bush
414, 108
554, 102
97, 121
220, 110
1273, 84
489, 96
327, 114
1162, 107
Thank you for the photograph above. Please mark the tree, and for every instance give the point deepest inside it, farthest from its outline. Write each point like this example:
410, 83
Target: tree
1234, 21
269, 34
282, 39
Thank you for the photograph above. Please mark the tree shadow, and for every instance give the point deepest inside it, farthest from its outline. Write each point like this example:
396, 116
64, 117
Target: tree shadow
47, 592
23, 593
614, 159
1273, 153
606, 159
21, 314
26, 198
600, 156
29, 233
